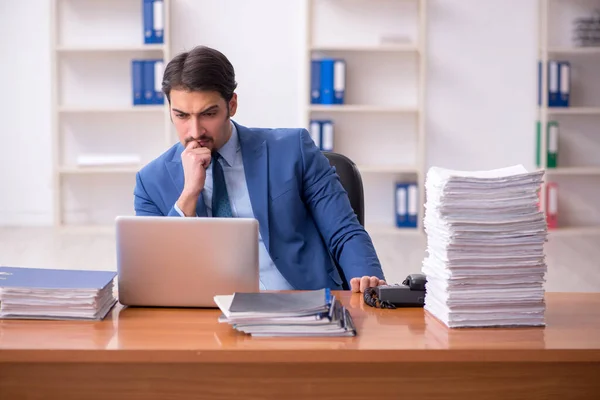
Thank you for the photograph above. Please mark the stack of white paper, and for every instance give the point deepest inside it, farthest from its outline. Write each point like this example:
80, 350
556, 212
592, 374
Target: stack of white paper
485, 262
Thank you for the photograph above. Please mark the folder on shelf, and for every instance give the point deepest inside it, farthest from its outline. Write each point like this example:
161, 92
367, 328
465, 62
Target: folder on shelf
321, 131
315, 132
137, 82
406, 203
552, 133
412, 206
152, 71
401, 205
327, 73
153, 13
552, 139
148, 79
339, 81
565, 83
327, 81
159, 96
327, 135
315, 82
552, 205
553, 83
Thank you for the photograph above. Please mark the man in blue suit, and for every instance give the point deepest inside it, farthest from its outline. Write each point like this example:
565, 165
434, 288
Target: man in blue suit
278, 176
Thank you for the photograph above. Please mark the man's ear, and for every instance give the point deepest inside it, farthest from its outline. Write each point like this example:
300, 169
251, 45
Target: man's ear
233, 105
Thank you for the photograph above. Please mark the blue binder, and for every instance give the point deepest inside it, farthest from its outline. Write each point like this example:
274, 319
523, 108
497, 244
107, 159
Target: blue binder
401, 202
327, 135
153, 13
339, 81
41, 278
539, 91
315, 82
315, 132
148, 81
137, 81
565, 83
327, 72
413, 204
159, 97
553, 83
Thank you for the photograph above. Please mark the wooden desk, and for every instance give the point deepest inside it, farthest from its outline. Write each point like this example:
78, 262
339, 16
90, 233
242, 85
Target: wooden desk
187, 354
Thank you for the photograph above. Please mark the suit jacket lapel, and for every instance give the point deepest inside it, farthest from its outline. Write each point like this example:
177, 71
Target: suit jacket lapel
254, 155
176, 172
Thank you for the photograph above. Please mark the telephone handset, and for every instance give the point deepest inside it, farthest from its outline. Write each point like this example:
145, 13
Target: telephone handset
411, 293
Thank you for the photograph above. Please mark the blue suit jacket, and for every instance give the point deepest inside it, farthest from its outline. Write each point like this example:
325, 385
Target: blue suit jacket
304, 215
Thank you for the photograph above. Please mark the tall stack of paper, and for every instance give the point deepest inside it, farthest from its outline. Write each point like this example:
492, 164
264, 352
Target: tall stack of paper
485, 262
303, 313
32, 293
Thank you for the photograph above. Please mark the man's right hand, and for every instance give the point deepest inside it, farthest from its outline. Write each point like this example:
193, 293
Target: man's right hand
195, 161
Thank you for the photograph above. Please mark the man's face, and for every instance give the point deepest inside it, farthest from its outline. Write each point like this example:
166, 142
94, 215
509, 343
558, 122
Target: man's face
202, 116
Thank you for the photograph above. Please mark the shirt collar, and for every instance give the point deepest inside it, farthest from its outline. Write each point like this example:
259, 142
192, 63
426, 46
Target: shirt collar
231, 147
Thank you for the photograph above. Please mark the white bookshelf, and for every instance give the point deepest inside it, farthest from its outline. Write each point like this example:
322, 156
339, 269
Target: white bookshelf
92, 46
577, 173
381, 125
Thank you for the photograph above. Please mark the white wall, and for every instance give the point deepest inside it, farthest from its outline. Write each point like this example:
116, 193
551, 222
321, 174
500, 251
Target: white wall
25, 156
480, 105
264, 48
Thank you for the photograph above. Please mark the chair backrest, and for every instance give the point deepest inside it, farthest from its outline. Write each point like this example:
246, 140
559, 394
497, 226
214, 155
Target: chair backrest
351, 181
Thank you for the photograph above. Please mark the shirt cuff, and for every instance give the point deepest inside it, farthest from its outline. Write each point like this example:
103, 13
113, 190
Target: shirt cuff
181, 214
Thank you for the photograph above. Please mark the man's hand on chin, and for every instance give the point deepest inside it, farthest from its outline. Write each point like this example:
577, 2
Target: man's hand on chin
362, 284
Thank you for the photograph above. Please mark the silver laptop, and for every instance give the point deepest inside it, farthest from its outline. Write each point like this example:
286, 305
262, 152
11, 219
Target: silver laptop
185, 262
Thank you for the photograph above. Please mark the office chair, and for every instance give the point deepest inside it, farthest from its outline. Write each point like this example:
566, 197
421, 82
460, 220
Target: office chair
352, 183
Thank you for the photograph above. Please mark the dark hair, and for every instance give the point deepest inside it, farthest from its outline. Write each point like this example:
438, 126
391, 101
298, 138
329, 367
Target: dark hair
202, 68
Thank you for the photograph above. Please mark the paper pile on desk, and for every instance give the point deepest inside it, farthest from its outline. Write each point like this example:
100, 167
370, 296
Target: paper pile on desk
485, 243
302, 313
33, 293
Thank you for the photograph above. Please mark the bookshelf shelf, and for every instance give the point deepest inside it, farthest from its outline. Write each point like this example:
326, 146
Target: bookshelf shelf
99, 170
573, 50
359, 108
388, 229
396, 48
574, 231
573, 171
388, 169
573, 110
109, 48
125, 109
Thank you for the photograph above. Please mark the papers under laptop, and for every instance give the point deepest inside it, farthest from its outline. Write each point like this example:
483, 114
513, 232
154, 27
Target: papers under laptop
303, 313
32, 293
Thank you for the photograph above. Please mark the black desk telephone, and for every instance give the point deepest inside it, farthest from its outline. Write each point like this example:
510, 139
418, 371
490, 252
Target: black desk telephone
410, 294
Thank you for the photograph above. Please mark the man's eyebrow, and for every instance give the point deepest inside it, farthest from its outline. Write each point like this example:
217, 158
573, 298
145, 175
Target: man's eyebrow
207, 110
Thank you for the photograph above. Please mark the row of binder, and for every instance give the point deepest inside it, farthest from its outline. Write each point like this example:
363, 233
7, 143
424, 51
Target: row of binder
327, 81
559, 83
407, 204
552, 130
321, 132
147, 81
153, 21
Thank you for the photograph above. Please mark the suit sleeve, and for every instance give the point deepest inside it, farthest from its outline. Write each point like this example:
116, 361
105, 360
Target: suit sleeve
348, 242
143, 204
